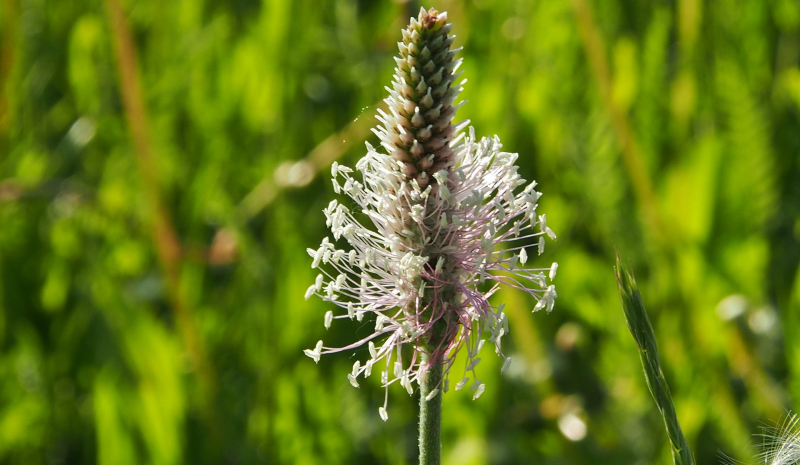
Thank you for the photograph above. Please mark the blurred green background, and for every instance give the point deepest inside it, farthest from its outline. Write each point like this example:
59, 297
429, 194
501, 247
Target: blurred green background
164, 164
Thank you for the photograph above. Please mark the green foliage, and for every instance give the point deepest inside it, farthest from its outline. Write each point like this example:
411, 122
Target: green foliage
152, 262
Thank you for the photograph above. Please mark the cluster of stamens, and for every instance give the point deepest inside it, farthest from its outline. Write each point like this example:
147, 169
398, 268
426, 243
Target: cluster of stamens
445, 221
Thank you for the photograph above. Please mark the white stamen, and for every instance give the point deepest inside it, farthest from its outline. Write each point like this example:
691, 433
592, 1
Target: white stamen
553, 269
506, 364
372, 351
310, 291
431, 395
461, 384
478, 391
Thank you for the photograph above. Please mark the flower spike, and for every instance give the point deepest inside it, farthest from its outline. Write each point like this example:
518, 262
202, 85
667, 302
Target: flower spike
445, 213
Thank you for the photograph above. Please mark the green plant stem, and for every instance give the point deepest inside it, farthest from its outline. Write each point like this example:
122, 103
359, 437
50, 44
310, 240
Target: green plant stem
430, 416
642, 331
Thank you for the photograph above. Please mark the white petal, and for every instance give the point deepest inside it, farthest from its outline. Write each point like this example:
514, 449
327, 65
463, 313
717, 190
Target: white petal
384, 415
328, 319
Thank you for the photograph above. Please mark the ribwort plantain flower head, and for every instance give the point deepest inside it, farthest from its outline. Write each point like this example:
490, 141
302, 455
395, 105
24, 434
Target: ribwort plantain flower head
438, 222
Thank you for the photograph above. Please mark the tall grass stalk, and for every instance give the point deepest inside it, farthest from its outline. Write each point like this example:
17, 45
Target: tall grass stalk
642, 331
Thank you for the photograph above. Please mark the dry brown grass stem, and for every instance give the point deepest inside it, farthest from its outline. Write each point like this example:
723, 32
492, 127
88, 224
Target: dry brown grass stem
168, 246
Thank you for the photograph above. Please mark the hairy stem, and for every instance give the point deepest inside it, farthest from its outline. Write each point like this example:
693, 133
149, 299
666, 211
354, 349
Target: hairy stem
430, 415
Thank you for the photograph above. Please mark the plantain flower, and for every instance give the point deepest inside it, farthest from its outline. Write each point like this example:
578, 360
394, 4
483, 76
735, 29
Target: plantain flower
436, 221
